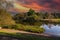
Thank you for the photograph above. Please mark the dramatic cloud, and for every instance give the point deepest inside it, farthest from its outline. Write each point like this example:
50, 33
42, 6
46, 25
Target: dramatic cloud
47, 5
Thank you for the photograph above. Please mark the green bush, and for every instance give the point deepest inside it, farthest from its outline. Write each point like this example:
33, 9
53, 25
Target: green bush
19, 26
5, 27
30, 28
10, 26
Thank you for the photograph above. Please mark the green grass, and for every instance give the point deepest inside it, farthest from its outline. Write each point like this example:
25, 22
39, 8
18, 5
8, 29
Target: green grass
51, 20
26, 36
29, 28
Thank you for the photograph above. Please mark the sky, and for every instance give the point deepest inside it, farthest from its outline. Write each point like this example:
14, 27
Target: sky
37, 5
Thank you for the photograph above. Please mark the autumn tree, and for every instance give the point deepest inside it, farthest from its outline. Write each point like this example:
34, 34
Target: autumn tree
5, 17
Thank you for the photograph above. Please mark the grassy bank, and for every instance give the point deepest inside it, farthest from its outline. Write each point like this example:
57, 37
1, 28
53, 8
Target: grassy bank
29, 28
11, 34
20, 36
52, 21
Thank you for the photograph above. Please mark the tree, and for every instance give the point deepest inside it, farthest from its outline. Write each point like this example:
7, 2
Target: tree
47, 15
30, 12
4, 4
50, 16
19, 18
6, 18
30, 20
25, 18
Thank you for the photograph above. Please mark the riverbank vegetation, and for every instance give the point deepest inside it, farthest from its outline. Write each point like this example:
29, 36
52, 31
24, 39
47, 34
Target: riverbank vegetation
19, 36
9, 22
28, 21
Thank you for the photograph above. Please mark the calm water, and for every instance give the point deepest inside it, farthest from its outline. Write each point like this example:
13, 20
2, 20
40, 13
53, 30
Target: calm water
52, 29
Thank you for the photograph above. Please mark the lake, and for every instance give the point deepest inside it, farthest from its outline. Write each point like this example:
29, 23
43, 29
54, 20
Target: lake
52, 29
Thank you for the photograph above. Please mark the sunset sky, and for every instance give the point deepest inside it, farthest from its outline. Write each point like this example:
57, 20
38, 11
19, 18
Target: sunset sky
37, 5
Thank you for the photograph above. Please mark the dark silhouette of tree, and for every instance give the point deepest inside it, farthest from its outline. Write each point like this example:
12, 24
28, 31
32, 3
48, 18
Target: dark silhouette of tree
30, 20
30, 12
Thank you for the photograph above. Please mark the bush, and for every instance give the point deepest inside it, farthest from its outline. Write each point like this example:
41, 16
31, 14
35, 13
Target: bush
31, 28
19, 26
28, 28
10, 26
5, 26
41, 30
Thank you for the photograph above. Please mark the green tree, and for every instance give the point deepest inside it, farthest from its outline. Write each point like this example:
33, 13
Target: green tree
30, 12
19, 18
30, 20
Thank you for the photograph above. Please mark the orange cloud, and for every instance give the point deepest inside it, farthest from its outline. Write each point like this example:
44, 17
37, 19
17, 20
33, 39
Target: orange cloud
33, 6
37, 5
25, 7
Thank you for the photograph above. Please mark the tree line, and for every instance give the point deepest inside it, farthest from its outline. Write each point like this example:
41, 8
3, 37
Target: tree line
24, 21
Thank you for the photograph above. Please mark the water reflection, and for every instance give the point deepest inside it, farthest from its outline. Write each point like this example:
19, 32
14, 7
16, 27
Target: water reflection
52, 29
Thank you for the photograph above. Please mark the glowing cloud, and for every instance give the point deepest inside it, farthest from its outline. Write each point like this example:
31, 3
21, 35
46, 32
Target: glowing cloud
38, 5
19, 7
